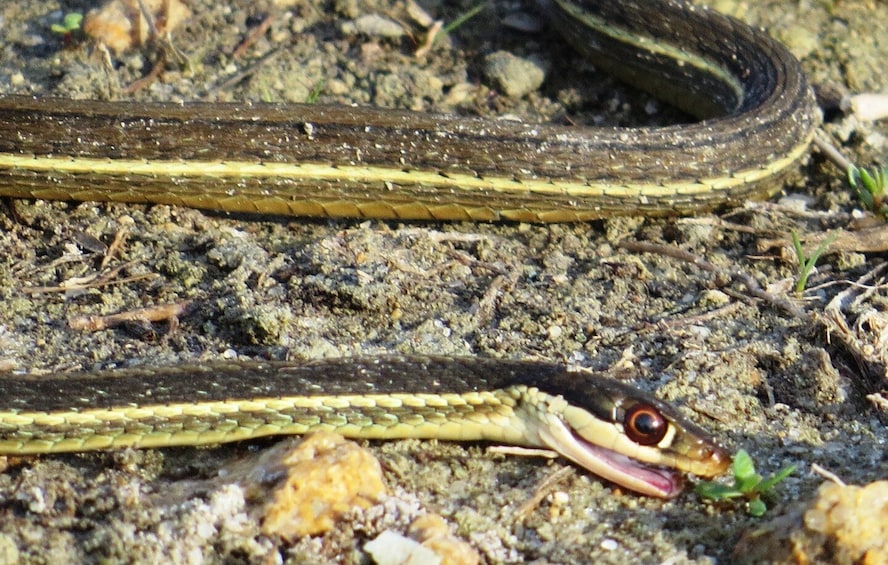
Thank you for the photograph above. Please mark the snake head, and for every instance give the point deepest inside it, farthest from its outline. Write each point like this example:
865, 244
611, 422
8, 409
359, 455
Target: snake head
626, 436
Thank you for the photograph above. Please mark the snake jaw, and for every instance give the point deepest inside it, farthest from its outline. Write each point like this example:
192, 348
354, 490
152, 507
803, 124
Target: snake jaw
608, 464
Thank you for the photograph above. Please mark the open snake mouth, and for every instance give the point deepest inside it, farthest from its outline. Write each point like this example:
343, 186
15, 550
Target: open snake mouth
609, 464
662, 482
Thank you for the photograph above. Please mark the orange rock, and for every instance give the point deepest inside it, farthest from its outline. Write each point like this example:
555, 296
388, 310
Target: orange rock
842, 524
120, 24
433, 533
326, 476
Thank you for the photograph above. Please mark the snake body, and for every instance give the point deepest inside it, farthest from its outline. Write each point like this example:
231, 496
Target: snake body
603, 425
757, 119
343, 161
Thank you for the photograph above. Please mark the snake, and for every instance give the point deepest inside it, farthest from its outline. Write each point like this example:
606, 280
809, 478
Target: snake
756, 118
612, 429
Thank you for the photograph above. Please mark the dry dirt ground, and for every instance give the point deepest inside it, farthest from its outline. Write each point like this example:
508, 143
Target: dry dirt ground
777, 384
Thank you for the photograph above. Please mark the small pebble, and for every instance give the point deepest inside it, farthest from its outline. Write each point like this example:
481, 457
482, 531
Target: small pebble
373, 25
514, 75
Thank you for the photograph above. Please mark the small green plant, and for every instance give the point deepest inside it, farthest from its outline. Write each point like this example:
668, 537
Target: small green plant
315, 93
869, 186
471, 13
70, 24
806, 264
748, 485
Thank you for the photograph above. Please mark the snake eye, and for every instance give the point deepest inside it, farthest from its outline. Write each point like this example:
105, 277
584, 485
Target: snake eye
645, 425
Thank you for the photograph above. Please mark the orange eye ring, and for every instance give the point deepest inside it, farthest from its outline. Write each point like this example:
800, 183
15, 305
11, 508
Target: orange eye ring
644, 424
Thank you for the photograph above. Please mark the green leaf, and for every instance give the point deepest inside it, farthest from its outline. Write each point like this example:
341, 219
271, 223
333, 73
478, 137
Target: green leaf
743, 467
716, 491
869, 187
72, 20
748, 485
756, 507
799, 251
770, 483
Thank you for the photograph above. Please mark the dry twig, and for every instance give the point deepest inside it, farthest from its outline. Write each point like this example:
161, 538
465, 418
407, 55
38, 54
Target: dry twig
752, 286
161, 313
542, 491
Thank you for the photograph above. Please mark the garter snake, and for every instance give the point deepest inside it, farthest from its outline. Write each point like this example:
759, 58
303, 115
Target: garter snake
343, 161
757, 119
599, 423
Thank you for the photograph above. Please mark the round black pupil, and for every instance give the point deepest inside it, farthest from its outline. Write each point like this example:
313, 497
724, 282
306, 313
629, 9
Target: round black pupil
646, 424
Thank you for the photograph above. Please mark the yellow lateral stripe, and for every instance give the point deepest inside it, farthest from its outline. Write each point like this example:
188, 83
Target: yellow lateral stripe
238, 407
321, 172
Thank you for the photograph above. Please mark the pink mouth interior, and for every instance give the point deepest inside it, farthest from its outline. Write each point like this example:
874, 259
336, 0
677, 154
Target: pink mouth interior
664, 481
